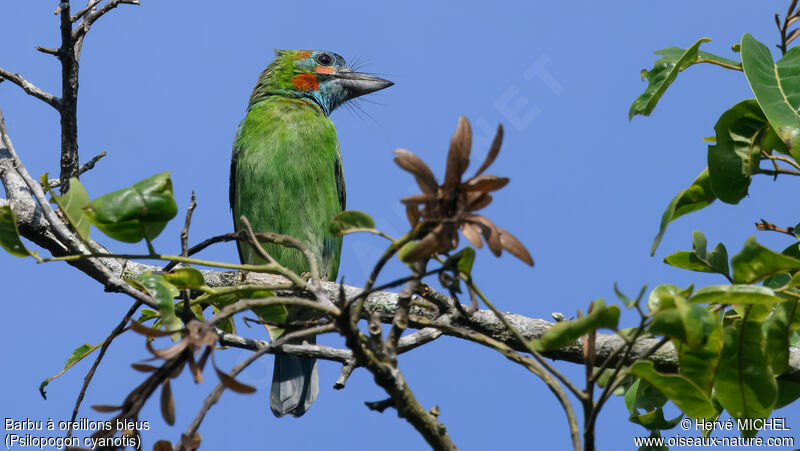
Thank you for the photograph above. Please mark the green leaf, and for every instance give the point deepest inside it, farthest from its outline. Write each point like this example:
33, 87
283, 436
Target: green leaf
776, 87
788, 392
654, 436
735, 157
351, 220
604, 379
663, 73
79, 353
72, 205
680, 390
563, 333
662, 296
461, 261
655, 420
735, 294
745, 385
697, 196
777, 329
642, 395
687, 322
755, 262
9, 234
405, 249
164, 292
186, 278
698, 259
135, 213
700, 365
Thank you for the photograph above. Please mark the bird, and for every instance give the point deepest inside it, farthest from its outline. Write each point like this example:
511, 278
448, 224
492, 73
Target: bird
286, 177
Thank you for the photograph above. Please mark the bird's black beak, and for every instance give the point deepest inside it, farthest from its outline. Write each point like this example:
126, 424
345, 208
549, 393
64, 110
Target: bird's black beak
357, 84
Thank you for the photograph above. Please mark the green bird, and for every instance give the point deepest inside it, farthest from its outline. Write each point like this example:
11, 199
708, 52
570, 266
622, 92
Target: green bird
286, 177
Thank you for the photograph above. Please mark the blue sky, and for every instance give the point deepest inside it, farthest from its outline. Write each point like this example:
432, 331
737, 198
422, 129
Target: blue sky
164, 85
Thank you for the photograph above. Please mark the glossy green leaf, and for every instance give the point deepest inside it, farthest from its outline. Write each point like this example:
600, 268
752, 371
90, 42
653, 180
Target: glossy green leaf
563, 333
405, 249
9, 234
777, 329
745, 385
72, 205
736, 294
186, 278
735, 156
689, 323
664, 72
79, 353
697, 196
662, 296
776, 87
137, 212
461, 261
642, 395
699, 259
655, 420
700, 365
680, 390
350, 220
756, 262
164, 292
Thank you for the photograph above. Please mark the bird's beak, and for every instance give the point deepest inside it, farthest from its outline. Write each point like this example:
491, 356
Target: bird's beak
357, 84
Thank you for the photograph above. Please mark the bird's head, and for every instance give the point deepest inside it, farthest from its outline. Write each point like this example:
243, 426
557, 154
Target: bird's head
317, 75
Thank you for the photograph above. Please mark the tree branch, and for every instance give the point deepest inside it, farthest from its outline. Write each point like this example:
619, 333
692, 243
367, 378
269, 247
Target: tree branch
30, 88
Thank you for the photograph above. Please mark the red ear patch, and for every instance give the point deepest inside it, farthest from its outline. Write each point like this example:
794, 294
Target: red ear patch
324, 69
305, 82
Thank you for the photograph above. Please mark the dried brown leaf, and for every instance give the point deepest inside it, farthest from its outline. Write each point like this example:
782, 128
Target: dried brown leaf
792, 35
490, 233
201, 334
416, 199
493, 150
458, 155
414, 164
413, 215
233, 384
424, 248
162, 445
106, 408
485, 183
167, 403
147, 331
190, 442
477, 201
513, 245
143, 367
473, 234
169, 352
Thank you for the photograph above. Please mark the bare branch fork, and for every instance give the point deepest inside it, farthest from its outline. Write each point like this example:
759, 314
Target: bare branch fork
68, 54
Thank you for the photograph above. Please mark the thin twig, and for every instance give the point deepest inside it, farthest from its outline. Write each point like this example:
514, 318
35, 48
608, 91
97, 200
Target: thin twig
30, 88
764, 225
88, 378
89, 165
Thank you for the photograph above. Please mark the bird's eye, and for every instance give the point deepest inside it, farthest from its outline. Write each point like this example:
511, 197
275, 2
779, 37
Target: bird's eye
323, 59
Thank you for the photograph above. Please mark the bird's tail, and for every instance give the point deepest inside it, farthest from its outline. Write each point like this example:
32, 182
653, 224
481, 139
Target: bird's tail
295, 384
